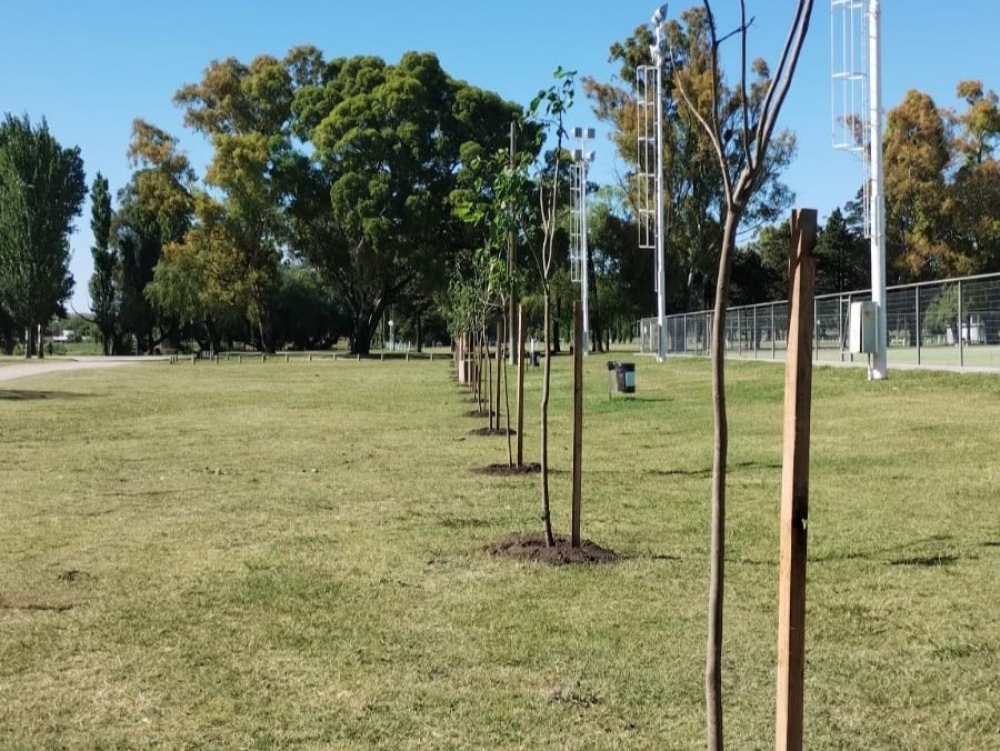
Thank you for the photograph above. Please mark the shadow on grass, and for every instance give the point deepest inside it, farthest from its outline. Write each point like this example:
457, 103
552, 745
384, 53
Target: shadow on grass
506, 470
929, 561
706, 473
27, 395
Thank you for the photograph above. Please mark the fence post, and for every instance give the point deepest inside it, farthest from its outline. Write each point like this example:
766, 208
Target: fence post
916, 319
756, 341
850, 355
840, 325
773, 336
739, 332
961, 345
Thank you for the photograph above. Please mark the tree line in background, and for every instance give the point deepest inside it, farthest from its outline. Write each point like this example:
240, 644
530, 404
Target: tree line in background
339, 193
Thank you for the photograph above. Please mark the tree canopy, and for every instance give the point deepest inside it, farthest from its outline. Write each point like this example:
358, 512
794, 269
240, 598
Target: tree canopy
42, 188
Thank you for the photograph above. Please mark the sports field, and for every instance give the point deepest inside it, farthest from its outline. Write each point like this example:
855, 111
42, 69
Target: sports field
292, 556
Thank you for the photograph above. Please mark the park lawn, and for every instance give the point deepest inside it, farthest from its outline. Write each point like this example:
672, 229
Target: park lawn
292, 555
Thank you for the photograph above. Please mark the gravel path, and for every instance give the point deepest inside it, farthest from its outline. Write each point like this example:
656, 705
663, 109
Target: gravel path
40, 367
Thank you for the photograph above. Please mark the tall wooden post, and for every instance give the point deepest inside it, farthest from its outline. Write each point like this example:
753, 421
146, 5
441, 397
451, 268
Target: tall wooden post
577, 422
499, 370
795, 482
520, 385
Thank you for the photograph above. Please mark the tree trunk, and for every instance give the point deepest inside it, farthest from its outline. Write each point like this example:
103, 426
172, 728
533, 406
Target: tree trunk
29, 342
420, 333
546, 379
41, 343
717, 554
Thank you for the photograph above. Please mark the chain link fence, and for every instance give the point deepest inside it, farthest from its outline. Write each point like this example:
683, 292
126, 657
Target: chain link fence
953, 323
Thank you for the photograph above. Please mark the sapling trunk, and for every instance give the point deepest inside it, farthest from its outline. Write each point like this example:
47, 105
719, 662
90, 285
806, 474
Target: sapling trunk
546, 379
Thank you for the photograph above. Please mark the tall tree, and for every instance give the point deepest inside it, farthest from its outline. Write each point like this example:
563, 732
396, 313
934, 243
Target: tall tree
742, 169
245, 111
842, 257
917, 154
42, 187
155, 209
974, 226
104, 297
372, 210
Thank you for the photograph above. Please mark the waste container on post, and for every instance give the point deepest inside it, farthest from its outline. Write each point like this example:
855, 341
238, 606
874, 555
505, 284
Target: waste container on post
625, 377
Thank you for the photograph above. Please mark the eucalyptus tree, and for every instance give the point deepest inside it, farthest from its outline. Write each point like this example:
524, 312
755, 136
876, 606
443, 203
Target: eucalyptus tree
245, 112
155, 209
42, 188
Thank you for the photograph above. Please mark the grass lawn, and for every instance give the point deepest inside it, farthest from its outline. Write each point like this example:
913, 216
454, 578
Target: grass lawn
291, 555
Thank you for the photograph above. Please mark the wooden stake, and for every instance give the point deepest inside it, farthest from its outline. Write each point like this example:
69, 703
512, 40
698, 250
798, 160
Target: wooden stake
520, 385
795, 482
577, 421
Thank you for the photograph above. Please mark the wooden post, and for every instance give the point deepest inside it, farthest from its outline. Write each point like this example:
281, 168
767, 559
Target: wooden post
520, 385
499, 368
577, 421
795, 482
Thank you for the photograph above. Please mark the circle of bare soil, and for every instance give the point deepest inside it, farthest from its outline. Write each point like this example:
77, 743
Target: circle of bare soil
506, 469
532, 547
477, 413
491, 431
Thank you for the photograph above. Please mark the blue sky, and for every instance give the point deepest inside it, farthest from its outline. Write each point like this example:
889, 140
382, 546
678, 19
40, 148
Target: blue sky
91, 67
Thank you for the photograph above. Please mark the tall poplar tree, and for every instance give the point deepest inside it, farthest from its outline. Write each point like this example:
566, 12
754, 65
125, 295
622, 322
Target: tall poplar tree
104, 297
42, 187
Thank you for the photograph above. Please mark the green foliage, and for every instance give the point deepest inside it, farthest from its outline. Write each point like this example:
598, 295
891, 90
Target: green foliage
105, 301
42, 188
373, 210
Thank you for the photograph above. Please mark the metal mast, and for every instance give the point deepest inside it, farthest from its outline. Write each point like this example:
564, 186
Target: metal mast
579, 251
856, 67
650, 172
879, 367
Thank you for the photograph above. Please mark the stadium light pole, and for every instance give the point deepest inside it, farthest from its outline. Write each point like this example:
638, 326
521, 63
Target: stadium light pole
879, 366
659, 16
582, 161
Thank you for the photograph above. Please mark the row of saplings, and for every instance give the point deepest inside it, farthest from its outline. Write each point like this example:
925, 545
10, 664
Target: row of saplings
482, 370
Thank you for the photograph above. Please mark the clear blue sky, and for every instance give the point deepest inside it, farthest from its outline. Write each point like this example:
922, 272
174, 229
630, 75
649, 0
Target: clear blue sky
91, 67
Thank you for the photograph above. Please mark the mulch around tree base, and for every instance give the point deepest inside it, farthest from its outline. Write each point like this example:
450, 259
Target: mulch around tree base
491, 431
532, 547
505, 469
477, 413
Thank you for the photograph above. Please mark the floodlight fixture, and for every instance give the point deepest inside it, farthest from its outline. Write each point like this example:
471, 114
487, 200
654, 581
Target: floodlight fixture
660, 15
582, 159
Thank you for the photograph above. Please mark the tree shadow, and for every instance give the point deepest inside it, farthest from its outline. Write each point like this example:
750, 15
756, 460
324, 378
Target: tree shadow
30, 395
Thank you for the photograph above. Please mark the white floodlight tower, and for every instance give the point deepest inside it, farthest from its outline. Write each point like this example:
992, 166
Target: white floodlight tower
579, 251
855, 32
659, 17
879, 368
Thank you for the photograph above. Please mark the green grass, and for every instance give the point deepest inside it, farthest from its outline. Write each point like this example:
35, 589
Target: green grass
291, 556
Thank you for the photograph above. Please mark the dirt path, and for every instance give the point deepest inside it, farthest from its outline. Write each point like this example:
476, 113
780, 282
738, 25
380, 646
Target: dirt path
52, 365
